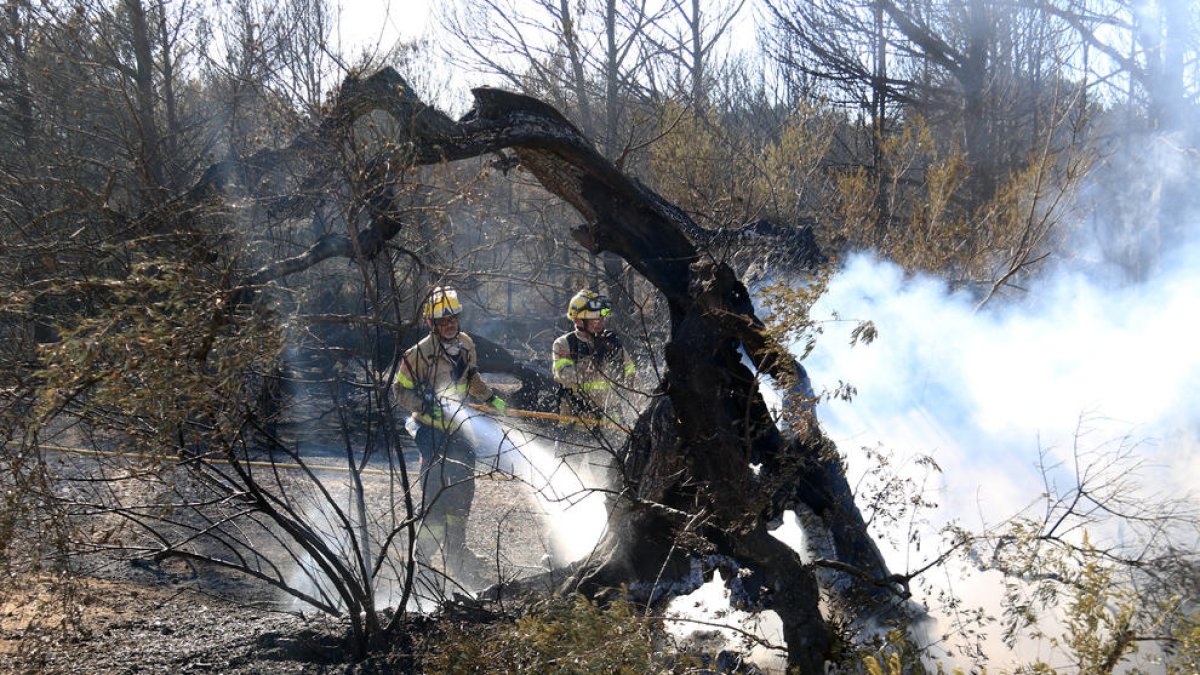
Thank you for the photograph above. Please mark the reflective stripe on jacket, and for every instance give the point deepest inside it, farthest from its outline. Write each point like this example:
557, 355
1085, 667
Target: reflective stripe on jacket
428, 372
594, 380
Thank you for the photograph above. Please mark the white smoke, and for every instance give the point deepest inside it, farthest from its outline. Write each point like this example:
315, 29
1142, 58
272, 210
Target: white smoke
703, 621
1007, 397
575, 511
984, 392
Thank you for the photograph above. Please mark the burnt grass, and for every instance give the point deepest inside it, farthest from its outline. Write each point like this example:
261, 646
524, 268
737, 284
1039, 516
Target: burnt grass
160, 626
122, 615
117, 614
173, 616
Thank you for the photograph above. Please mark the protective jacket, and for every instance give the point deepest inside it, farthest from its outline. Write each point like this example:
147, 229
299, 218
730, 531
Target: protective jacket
595, 373
430, 372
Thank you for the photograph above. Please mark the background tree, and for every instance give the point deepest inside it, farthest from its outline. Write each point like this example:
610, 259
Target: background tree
1137, 60
145, 265
981, 73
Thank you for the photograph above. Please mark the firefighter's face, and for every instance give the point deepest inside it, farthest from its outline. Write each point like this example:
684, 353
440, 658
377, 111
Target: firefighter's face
445, 327
593, 326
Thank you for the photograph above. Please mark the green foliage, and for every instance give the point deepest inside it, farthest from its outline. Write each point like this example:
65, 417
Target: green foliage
696, 168
911, 208
723, 174
920, 209
1098, 625
891, 666
1099, 621
787, 312
159, 355
789, 324
896, 655
893, 657
559, 635
791, 175
1185, 652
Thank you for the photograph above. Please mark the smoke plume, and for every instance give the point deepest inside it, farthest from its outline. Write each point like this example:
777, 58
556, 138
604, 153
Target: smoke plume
1011, 400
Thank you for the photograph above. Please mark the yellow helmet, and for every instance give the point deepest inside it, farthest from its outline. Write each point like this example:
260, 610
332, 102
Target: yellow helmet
588, 305
442, 302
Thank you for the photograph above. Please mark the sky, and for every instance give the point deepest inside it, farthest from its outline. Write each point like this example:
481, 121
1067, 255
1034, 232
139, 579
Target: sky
368, 21
367, 24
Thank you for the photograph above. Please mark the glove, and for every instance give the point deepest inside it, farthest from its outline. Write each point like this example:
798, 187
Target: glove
499, 404
432, 407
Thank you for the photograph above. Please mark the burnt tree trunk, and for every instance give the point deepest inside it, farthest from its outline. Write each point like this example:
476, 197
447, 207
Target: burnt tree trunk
697, 493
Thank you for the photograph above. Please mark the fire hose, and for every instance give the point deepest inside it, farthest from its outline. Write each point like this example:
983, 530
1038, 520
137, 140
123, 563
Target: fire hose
537, 414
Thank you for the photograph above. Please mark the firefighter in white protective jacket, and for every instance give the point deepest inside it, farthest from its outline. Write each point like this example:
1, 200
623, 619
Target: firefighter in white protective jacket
591, 364
434, 380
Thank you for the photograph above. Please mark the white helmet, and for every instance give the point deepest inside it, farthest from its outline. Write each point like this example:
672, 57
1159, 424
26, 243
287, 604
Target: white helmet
442, 302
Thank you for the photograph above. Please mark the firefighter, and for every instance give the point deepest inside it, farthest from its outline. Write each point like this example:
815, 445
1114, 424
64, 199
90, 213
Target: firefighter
434, 380
590, 363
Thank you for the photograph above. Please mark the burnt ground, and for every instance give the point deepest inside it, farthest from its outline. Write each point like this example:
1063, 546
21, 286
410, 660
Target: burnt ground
175, 617
123, 615
130, 626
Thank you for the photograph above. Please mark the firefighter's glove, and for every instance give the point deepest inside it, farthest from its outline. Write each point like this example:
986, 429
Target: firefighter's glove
432, 407
499, 404
435, 412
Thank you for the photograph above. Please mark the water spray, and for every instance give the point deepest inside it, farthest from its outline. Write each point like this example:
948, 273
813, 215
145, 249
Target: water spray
575, 510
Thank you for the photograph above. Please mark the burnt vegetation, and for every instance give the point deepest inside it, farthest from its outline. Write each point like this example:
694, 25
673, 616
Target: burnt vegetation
216, 248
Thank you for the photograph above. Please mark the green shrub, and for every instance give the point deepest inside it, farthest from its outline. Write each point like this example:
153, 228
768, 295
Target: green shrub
557, 635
